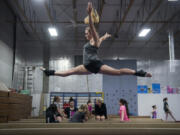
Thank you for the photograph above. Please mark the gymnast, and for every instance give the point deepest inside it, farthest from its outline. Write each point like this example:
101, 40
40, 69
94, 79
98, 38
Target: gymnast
91, 62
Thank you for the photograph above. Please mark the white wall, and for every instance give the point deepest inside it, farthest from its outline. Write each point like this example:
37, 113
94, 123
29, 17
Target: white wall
6, 44
161, 73
74, 83
6, 63
145, 102
6, 49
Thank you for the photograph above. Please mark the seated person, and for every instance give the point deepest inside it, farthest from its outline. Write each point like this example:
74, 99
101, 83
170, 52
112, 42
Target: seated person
51, 114
65, 105
81, 114
100, 110
20, 89
70, 99
89, 105
58, 112
123, 111
70, 111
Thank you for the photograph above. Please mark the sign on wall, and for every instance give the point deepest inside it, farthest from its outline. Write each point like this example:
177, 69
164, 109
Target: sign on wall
142, 89
156, 88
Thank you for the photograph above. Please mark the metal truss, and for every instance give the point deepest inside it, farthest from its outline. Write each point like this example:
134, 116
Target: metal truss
125, 7
168, 14
150, 10
26, 8
160, 14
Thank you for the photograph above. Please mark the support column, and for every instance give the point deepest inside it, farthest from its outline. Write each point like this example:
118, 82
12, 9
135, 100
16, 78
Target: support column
46, 57
14, 47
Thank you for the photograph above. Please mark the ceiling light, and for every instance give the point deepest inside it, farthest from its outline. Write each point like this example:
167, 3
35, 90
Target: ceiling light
144, 32
172, 0
53, 32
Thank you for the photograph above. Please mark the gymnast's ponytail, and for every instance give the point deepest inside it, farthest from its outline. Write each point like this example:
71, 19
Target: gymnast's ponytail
127, 109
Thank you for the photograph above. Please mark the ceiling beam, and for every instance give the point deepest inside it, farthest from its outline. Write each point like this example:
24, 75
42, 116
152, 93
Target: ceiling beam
48, 12
26, 19
82, 39
15, 14
124, 17
102, 2
104, 22
71, 18
74, 3
147, 19
101, 6
74, 10
121, 23
23, 14
162, 27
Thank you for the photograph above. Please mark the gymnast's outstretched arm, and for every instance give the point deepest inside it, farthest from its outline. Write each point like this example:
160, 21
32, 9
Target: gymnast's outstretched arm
103, 38
91, 25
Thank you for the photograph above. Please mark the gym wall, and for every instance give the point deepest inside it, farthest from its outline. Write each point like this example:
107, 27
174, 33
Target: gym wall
6, 45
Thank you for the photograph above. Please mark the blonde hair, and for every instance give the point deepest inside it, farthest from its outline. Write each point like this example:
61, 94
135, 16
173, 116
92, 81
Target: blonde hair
83, 108
100, 100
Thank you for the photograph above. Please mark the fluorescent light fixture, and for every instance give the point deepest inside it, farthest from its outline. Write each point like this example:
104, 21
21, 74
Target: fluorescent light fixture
53, 32
144, 32
172, 0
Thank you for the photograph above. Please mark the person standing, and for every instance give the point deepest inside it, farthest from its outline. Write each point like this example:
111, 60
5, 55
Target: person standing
154, 112
167, 110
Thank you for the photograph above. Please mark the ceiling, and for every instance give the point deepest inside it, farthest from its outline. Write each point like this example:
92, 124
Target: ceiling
121, 18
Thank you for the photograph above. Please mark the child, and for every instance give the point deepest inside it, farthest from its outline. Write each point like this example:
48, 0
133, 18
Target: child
57, 101
123, 111
167, 110
154, 113
70, 111
65, 105
89, 105
81, 114
51, 114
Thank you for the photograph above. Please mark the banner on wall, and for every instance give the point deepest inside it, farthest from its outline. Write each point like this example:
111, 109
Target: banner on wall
156, 88
142, 89
173, 90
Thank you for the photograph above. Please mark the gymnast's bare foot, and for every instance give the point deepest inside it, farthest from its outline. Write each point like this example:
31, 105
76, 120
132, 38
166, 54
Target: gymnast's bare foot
148, 75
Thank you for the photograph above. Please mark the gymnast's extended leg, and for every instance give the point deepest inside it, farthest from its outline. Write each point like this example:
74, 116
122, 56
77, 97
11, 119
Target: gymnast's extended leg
79, 70
105, 69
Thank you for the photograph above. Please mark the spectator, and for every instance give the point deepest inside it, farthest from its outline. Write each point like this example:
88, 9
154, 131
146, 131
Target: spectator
154, 112
123, 111
69, 111
100, 110
58, 115
51, 114
81, 114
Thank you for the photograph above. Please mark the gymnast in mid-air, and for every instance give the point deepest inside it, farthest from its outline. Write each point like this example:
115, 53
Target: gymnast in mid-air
91, 62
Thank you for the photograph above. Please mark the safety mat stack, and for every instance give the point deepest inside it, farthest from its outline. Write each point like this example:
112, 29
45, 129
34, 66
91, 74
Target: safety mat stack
14, 106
